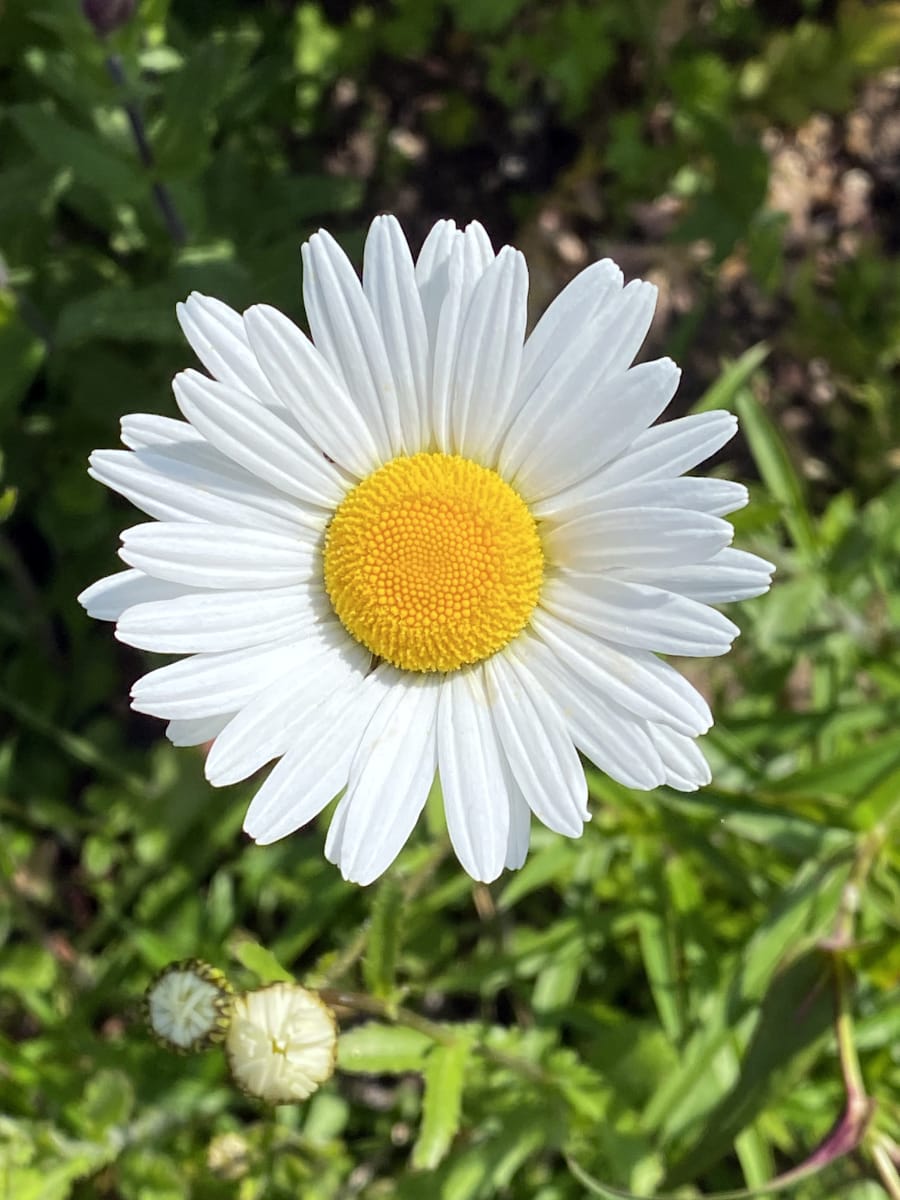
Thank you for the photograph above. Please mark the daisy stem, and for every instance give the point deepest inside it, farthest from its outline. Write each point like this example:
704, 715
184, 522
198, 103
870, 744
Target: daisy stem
161, 194
887, 1171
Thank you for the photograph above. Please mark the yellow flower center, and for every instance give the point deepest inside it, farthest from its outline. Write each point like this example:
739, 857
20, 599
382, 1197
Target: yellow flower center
433, 562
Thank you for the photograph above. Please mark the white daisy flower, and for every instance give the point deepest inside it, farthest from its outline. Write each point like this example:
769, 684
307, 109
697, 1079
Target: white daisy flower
421, 542
282, 1043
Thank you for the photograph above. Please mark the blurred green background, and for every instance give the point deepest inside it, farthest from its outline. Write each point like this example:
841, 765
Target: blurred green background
676, 1002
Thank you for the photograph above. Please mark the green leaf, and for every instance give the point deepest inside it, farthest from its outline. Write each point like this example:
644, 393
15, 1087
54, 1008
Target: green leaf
734, 378
796, 1012
376, 1049
107, 1102
262, 962
146, 1174
21, 353
778, 473
770, 824
194, 93
445, 1073
486, 1168
659, 943
847, 776
122, 314
380, 962
93, 162
801, 916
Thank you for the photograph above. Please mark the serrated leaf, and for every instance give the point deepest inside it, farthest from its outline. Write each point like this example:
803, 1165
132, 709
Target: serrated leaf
445, 1074
375, 1049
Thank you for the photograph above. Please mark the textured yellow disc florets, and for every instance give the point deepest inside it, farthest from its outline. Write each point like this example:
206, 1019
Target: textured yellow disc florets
433, 562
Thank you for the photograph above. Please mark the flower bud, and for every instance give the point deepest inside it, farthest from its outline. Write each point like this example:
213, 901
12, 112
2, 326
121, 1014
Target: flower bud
108, 15
188, 1006
281, 1043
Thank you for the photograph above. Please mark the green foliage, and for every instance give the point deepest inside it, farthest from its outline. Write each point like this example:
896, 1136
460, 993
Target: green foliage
651, 1007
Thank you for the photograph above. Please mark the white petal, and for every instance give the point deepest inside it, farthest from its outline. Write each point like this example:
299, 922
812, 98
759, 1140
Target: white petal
217, 556
487, 363
316, 766
170, 489
713, 496
390, 776
623, 328
199, 468
218, 338
729, 575
109, 597
272, 721
598, 423
635, 679
214, 621
573, 311
345, 331
257, 439
468, 261
603, 351
208, 684
310, 390
636, 537
686, 768
389, 282
537, 745
431, 275
519, 836
196, 731
472, 779
612, 738
140, 430
638, 615
664, 451
478, 246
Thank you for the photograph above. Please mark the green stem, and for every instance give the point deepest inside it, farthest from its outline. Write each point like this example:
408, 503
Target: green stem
398, 1015
884, 1165
849, 1059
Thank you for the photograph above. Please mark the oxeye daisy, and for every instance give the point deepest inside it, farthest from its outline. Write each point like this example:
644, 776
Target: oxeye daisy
419, 542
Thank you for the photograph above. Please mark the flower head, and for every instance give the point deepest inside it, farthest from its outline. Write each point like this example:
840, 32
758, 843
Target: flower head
188, 1006
419, 542
281, 1043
